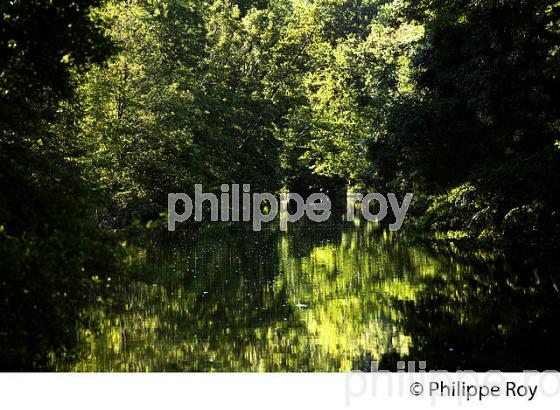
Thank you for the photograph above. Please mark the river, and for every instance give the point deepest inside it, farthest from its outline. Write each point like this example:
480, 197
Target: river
321, 297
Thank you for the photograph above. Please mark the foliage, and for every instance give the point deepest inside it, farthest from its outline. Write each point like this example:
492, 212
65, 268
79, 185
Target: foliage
484, 111
49, 242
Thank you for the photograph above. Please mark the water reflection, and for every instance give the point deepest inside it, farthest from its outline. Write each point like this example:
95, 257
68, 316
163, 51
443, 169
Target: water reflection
318, 298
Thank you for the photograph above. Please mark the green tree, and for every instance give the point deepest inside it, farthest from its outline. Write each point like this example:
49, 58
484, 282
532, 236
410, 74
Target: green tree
50, 246
483, 118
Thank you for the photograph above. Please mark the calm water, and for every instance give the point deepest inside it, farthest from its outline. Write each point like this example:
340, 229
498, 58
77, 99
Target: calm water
318, 298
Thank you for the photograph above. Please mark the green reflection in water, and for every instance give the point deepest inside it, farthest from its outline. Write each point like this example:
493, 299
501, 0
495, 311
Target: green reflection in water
317, 298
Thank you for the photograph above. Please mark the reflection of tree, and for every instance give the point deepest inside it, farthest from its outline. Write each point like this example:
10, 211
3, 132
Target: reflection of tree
502, 318
350, 287
313, 299
208, 308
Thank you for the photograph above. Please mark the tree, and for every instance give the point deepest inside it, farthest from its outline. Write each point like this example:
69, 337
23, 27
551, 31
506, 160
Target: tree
50, 246
484, 113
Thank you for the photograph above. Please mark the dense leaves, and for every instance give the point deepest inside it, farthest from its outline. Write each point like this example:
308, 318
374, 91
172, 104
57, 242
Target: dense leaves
485, 112
50, 245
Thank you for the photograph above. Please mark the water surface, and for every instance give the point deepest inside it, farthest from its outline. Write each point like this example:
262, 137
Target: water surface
318, 298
